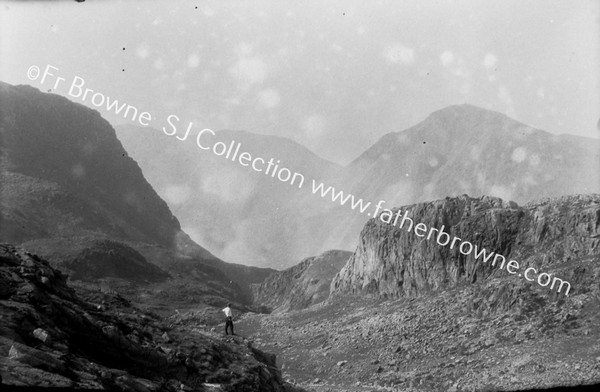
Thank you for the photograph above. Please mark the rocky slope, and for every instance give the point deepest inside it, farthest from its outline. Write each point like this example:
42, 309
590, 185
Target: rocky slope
301, 286
457, 340
51, 337
550, 235
406, 313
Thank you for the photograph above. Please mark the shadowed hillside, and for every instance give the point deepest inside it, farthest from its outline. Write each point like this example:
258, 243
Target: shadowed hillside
302, 285
72, 193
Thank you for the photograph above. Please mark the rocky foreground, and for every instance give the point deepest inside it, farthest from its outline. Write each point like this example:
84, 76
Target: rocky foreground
407, 314
464, 339
53, 336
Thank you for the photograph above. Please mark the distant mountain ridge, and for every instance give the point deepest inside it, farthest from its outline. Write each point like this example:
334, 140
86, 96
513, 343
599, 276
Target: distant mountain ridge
461, 149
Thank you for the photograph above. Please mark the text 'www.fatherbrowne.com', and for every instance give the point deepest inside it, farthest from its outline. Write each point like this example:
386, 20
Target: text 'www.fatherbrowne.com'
442, 238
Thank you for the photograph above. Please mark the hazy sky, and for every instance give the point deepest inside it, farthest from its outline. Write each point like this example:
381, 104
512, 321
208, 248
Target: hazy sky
332, 75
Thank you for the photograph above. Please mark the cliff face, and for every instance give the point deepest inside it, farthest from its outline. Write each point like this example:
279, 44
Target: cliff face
302, 285
549, 235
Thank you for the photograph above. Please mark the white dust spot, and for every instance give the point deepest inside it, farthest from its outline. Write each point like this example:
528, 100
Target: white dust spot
402, 139
314, 126
428, 191
489, 61
159, 64
475, 152
433, 162
244, 49
232, 186
519, 154
142, 51
193, 60
534, 160
541, 93
447, 58
249, 70
269, 98
399, 193
78, 170
399, 54
529, 180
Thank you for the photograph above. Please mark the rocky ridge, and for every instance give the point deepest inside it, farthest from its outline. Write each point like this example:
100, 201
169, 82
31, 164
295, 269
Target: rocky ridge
549, 235
51, 336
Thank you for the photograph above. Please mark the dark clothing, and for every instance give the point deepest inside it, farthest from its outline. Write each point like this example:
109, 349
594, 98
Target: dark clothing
229, 323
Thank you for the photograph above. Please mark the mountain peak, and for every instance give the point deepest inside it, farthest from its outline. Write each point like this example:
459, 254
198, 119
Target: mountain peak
467, 113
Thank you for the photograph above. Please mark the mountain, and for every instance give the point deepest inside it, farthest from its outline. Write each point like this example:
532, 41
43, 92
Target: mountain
464, 149
254, 219
262, 221
72, 193
52, 336
302, 285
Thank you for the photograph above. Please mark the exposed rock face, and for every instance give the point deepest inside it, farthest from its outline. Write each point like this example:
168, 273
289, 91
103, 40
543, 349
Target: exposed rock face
50, 337
301, 286
547, 235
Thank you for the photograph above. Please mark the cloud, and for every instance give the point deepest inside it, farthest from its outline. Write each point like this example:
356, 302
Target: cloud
447, 58
399, 54
142, 51
489, 61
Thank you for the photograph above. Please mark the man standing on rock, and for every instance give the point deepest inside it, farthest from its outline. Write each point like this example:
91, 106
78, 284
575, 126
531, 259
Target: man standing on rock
229, 321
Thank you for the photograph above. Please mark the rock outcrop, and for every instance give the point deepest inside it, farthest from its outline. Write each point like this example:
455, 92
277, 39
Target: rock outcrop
51, 337
300, 286
548, 235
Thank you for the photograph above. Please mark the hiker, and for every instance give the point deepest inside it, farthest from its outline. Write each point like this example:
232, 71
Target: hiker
229, 321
